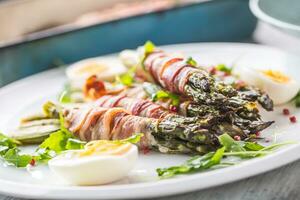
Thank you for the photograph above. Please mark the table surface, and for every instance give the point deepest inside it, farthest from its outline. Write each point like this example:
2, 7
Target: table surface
282, 183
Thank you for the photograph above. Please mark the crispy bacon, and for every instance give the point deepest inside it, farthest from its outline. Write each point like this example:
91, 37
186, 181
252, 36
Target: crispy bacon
95, 88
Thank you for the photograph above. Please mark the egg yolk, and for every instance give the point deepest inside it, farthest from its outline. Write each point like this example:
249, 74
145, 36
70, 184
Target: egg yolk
276, 76
91, 68
104, 147
251, 106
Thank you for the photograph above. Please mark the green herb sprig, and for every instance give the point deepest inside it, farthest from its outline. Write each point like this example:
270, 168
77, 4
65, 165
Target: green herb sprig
212, 160
156, 93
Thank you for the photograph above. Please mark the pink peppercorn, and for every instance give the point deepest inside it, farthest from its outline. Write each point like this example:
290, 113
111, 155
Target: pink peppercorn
237, 138
173, 108
286, 111
293, 119
32, 162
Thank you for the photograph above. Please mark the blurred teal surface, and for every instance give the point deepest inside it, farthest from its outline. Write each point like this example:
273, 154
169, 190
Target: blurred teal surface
218, 20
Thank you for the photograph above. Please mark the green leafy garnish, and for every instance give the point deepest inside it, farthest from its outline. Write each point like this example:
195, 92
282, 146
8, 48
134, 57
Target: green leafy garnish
127, 78
195, 164
13, 156
230, 147
73, 143
61, 140
57, 142
191, 62
148, 48
297, 100
162, 95
133, 139
224, 68
43, 155
6, 142
230, 144
65, 96
156, 93
10, 153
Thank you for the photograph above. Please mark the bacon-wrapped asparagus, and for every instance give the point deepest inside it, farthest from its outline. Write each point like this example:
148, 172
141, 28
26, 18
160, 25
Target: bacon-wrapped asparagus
248, 119
167, 135
147, 90
173, 127
176, 74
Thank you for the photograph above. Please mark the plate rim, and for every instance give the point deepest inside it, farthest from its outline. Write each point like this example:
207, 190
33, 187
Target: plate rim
259, 13
151, 189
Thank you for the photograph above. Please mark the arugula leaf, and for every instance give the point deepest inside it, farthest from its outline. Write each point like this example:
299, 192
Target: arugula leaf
161, 95
297, 100
230, 144
43, 155
149, 47
156, 93
197, 163
191, 61
10, 152
127, 78
224, 68
57, 141
241, 148
7, 142
251, 146
133, 139
13, 156
73, 143
211, 160
65, 95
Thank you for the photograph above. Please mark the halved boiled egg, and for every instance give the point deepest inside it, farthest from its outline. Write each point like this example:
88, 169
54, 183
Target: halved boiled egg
280, 87
105, 68
100, 162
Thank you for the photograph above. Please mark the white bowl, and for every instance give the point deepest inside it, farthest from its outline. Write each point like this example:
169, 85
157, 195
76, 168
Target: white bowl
284, 15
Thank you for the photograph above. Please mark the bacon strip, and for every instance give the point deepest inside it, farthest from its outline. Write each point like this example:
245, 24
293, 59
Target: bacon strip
107, 123
169, 71
139, 107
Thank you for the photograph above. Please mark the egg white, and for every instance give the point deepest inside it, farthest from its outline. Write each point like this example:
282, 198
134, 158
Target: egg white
111, 67
94, 169
280, 93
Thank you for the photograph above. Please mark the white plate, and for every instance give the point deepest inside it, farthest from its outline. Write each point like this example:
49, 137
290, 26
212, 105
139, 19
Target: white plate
27, 95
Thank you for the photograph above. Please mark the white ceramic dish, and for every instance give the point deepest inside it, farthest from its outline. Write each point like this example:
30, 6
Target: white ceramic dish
284, 15
27, 95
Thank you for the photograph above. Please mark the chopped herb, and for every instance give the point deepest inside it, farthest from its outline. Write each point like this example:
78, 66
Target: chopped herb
224, 68
191, 62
